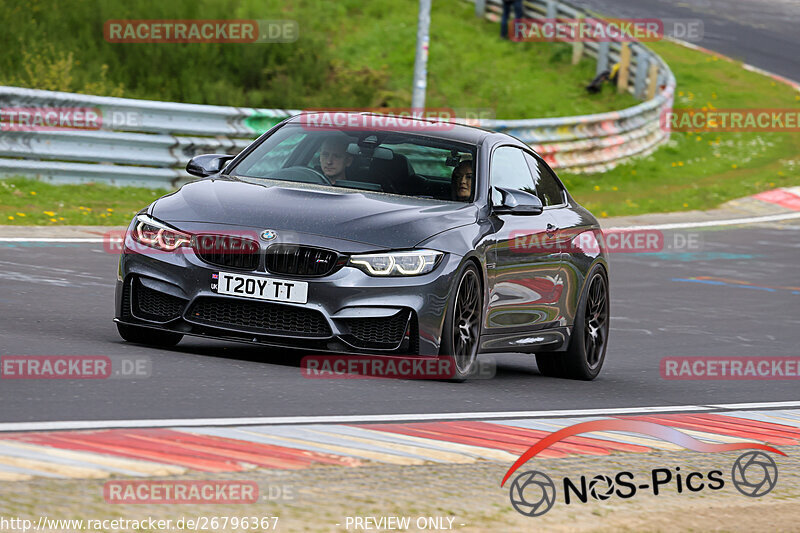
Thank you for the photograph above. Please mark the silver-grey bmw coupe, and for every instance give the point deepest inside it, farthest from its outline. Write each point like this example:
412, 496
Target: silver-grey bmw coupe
372, 234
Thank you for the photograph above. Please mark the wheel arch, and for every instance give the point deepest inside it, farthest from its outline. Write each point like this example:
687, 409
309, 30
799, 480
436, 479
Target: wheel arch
585, 286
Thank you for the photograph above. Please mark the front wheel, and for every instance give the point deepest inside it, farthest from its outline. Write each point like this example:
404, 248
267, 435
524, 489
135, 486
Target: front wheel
152, 337
462, 325
587, 346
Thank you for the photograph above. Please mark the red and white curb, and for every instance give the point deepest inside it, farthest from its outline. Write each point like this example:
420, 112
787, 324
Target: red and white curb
166, 451
788, 197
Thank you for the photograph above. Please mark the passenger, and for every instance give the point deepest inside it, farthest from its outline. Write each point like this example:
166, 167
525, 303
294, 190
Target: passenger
462, 181
334, 159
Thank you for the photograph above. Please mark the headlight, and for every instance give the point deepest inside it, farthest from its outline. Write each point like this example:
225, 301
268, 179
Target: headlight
155, 234
411, 263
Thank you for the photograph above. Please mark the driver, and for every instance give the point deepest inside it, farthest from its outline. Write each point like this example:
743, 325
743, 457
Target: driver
462, 180
334, 159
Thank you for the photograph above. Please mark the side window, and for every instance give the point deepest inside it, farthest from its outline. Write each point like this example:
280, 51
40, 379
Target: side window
509, 170
275, 157
547, 187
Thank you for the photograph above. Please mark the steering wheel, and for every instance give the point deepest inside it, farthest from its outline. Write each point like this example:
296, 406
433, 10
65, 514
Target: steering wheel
302, 174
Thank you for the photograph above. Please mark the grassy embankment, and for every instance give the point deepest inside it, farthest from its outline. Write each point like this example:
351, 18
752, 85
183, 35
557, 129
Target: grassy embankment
353, 54
350, 54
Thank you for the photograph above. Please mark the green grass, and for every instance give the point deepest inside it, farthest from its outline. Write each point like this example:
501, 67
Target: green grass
469, 66
31, 202
360, 54
701, 170
351, 53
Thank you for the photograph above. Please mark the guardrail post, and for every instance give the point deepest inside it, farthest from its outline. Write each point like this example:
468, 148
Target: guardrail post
480, 8
577, 45
652, 80
602, 57
552, 9
624, 67
642, 64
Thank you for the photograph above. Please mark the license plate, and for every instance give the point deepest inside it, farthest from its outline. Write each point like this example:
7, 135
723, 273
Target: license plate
276, 290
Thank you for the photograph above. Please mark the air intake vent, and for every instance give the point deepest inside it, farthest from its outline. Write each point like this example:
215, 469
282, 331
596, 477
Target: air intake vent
154, 305
379, 333
259, 317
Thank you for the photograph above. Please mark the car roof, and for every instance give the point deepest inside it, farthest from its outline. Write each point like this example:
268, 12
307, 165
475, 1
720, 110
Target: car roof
453, 131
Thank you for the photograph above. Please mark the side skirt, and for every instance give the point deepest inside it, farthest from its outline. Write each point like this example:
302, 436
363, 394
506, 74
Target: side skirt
548, 340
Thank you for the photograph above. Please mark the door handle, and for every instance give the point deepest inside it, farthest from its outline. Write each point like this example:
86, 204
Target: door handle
551, 229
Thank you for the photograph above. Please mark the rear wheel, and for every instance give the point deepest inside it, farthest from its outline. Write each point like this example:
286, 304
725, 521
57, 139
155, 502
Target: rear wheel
587, 346
153, 337
462, 325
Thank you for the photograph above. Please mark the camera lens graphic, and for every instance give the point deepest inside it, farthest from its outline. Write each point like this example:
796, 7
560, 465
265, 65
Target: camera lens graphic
754, 474
532, 493
601, 487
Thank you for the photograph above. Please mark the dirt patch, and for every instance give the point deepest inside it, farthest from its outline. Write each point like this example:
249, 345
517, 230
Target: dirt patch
321, 499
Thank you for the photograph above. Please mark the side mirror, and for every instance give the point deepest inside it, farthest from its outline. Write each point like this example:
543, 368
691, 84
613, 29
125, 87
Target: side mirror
207, 164
516, 202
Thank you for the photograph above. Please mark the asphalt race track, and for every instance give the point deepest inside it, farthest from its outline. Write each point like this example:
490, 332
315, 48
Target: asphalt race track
760, 32
736, 295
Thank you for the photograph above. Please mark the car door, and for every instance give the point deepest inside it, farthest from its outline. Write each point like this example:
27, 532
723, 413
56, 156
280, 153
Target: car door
524, 286
568, 226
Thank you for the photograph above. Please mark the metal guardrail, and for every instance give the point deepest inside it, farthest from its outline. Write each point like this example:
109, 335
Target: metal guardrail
148, 143
139, 142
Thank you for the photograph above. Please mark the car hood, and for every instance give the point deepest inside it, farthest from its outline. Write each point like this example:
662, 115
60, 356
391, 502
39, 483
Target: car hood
385, 221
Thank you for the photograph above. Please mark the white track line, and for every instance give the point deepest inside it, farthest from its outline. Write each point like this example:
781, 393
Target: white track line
354, 419
770, 405
710, 223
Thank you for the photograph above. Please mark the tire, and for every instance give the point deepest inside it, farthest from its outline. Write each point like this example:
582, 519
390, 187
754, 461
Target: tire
462, 325
587, 346
152, 337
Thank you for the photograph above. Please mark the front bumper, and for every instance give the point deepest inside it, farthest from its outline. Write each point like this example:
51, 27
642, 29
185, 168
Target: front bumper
347, 311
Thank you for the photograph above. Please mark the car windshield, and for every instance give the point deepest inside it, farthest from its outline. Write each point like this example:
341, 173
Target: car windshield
409, 164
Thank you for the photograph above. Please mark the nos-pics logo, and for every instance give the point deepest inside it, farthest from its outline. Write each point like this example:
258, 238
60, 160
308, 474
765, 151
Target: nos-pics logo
533, 493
